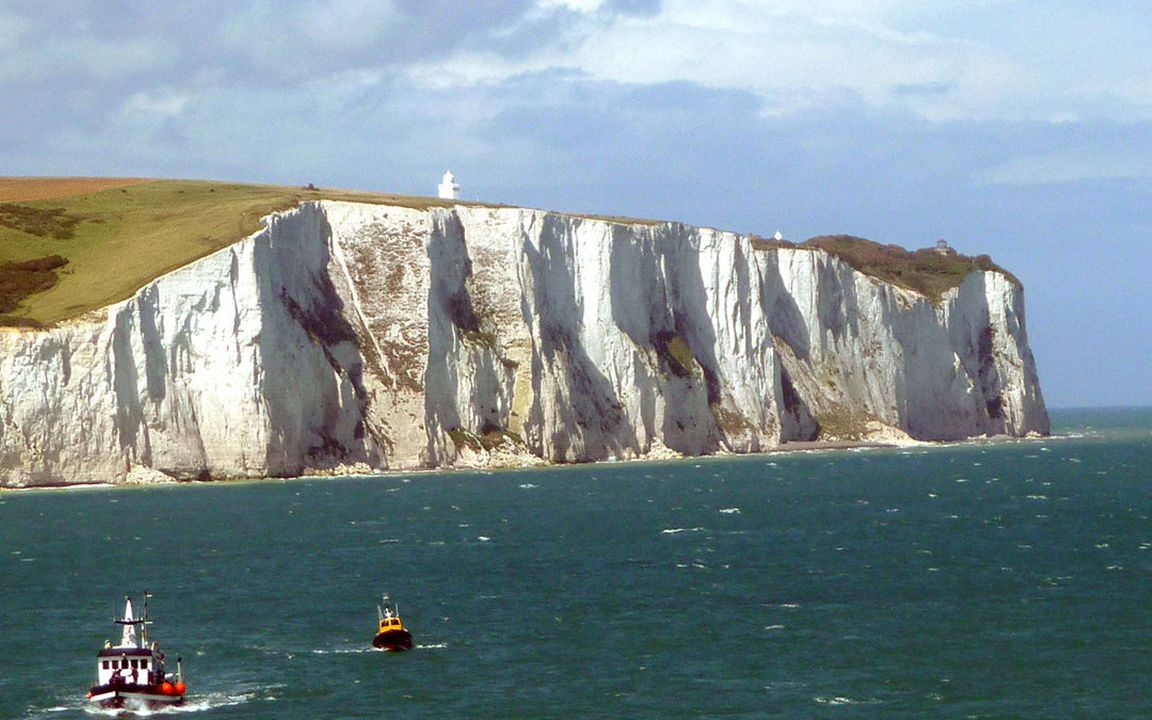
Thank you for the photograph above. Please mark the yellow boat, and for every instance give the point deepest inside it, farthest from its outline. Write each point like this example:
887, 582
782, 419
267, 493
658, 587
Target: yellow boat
391, 636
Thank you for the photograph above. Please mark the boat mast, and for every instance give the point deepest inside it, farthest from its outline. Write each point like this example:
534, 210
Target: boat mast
144, 622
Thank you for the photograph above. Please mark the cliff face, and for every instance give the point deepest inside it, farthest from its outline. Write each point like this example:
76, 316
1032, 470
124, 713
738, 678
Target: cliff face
353, 337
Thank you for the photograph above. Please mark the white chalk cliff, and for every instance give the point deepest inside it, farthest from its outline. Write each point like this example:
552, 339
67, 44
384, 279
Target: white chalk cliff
348, 337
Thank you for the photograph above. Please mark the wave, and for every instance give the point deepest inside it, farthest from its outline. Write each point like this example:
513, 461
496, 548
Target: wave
844, 700
345, 650
366, 649
192, 704
674, 531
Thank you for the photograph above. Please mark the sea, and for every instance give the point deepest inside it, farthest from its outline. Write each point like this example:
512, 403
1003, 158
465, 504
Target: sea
988, 579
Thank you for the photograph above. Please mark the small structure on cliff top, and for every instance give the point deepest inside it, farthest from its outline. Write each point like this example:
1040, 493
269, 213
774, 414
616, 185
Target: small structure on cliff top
448, 189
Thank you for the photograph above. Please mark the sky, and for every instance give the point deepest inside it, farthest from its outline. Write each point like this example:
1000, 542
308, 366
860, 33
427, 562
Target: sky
1022, 130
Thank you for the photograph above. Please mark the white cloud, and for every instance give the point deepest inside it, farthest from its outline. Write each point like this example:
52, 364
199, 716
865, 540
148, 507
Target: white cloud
275, 32
585, 6
891, 54
67, 59
1072, 165
156, 105
10, 30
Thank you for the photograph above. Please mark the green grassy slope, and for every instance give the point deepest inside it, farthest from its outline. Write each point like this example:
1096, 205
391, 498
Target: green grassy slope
115, 241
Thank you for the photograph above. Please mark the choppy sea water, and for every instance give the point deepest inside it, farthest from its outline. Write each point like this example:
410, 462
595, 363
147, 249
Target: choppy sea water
983, 580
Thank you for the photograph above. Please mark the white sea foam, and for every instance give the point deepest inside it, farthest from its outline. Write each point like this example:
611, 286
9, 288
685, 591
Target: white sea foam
215, 700
344, 650
192, 704
843, 700
730, 511
674, 531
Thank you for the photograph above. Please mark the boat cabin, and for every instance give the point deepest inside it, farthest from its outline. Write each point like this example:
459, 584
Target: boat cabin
129, 665
133, 661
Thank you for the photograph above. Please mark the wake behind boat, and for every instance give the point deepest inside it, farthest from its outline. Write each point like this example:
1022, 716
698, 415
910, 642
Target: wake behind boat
392, 636
132, 674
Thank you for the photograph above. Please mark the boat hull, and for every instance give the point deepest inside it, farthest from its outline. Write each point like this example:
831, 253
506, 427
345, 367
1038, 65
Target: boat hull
145, 696
393, 640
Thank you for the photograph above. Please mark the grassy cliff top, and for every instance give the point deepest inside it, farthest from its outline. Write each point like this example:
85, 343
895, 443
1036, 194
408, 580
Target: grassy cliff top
926, 271
71, 245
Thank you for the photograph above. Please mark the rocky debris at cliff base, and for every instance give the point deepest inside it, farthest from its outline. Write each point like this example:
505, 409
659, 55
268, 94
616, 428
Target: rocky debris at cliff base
660, 451
504, 455
143, 475
878, 432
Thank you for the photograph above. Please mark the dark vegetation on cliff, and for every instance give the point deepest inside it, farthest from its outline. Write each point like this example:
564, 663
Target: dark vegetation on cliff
19, 280
926, 271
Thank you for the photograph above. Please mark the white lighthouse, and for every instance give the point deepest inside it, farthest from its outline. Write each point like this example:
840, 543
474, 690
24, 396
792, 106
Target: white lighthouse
448, 189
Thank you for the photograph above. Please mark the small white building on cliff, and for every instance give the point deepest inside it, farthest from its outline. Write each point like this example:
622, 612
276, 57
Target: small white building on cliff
448, 189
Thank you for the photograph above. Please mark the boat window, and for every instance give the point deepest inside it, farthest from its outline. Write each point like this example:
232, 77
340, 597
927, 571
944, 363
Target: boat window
133, 663
144, 664
105, 664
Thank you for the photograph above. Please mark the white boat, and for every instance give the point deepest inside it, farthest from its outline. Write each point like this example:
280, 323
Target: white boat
132, 674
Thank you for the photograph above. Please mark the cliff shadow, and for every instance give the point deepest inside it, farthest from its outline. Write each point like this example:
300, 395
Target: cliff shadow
793, 347
584, 401
125, 386
464, 362
785, 319
313, 369
684, 341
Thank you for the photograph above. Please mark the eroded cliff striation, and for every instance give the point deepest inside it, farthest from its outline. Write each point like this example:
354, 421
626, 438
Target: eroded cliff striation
350, 337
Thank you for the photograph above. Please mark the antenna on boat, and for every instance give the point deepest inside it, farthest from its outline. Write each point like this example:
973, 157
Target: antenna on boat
145, 622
